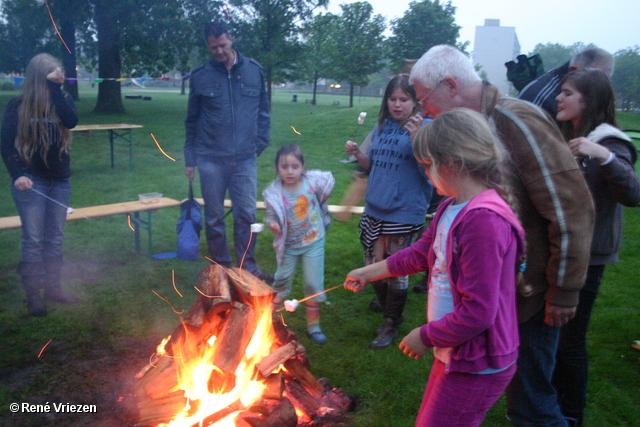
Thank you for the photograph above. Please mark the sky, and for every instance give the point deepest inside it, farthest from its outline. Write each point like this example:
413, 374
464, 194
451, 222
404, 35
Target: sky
611, 25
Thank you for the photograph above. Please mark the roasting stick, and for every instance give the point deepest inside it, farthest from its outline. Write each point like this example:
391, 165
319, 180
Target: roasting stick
69, 209
311, 296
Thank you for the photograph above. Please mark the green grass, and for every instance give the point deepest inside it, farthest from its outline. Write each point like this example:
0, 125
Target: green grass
97, 343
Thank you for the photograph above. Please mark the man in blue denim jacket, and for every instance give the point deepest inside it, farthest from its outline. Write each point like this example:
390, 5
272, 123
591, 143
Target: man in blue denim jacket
227, 127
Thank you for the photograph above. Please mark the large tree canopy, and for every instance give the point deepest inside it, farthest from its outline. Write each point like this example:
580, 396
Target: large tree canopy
356, 45
424, 25
268, 31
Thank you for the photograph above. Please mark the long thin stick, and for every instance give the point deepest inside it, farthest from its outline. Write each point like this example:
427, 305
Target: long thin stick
311, 296
55, 201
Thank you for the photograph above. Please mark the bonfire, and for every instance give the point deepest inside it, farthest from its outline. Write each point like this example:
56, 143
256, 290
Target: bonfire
232, 362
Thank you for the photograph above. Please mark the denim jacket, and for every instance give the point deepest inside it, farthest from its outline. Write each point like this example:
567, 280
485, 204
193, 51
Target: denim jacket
228, 112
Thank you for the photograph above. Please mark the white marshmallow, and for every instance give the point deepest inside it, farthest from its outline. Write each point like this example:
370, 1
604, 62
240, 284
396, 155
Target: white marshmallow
257, 227
361, 117
69, 211
291, 305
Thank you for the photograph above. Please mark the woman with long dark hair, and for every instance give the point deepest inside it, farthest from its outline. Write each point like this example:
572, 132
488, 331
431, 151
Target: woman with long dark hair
586, 106
35, 148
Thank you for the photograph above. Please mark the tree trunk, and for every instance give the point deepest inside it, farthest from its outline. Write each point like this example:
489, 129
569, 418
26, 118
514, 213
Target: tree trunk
268, 74
109, 94
351, 96
315, 87
68, 33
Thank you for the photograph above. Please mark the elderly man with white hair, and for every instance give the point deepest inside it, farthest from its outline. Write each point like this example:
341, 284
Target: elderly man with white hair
555, 210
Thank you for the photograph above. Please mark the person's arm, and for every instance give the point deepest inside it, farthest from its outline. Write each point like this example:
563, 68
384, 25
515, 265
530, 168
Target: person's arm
619, 174
8, 137
557, 190
357, 279
264, 119
65, 108
193, 115
352, 149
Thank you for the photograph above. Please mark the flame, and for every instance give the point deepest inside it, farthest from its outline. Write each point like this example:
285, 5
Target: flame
194, 369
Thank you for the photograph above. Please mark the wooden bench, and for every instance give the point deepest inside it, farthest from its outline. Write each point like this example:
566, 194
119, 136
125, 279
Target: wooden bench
131, 209
117, 130
357, 210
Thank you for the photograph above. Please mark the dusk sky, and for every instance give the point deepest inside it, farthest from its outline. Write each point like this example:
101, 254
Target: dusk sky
611, 25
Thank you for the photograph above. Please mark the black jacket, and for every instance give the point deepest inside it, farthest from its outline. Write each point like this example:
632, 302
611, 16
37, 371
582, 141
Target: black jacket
228, 113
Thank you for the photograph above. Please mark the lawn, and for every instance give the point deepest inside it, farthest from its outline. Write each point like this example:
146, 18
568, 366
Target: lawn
98, 344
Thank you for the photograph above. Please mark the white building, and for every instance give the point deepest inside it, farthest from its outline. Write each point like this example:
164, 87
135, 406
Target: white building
492, 47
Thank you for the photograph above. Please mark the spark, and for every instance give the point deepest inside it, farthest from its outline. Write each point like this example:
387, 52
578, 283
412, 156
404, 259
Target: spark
160, 148
129, 223
56, 27
311, 296
173, 279
45, 346
294, 129
207, 296
165, 300
246, 250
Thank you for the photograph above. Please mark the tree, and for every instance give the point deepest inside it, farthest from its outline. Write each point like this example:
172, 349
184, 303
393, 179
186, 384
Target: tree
555, 54
424, 25
356, 45
626, 77
268, 31
316, 59
26, 31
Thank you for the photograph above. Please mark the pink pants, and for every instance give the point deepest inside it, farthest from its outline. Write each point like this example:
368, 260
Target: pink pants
458, 398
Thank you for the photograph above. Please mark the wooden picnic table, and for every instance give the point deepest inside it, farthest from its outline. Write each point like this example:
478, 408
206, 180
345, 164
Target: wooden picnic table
116, 131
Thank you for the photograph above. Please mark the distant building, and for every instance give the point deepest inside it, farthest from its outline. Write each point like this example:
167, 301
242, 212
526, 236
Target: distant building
492, 47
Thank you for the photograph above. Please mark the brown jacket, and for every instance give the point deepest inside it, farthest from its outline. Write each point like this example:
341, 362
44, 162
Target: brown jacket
556, 208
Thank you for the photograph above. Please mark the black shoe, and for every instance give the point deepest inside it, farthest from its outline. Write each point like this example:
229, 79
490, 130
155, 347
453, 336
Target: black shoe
266, 278
386, 336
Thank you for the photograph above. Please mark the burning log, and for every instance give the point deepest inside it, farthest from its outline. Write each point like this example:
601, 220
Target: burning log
269, 364
155, 411
231, 347
214, 284
301, 399
249, 289
273, 387
217, 416
303, 376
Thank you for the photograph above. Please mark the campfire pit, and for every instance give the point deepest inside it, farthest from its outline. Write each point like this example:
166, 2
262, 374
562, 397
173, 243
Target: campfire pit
231, 362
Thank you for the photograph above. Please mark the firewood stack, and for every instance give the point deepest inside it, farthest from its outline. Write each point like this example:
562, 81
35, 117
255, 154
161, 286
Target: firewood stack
229, 310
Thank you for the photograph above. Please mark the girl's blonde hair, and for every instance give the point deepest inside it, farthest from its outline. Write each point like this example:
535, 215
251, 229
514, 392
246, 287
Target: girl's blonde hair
38, 122
462, 139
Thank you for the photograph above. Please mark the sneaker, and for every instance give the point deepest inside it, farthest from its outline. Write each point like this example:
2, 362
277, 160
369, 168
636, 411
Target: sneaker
318, 337
266, 278
636, 345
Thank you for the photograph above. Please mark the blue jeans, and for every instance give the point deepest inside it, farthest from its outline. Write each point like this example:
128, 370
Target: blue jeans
312, 268
43, 223
531, 398
572, 361
240, 178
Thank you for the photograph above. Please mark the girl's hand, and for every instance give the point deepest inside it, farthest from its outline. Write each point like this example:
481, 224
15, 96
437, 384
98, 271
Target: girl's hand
56, 76
23, 183
275, 227
585, 147
355, 281
412, 345
351, 148
413, 124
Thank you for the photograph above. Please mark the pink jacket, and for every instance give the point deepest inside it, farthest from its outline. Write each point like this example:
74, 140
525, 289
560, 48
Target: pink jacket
485, 242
